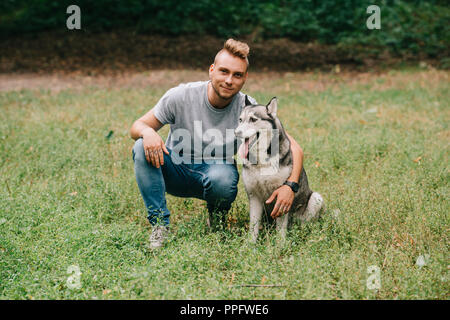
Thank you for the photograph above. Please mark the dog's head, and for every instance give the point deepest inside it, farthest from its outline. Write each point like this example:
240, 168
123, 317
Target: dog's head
256, 125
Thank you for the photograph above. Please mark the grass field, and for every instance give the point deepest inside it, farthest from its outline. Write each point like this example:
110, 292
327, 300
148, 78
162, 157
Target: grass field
376, 147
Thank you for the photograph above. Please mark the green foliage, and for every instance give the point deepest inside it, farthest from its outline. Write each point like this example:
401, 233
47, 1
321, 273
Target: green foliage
413, 26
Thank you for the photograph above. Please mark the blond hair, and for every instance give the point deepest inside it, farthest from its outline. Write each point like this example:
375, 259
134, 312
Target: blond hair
236, 48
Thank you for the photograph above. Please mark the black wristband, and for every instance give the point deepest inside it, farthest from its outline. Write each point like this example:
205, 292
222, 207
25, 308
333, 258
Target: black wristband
293, 185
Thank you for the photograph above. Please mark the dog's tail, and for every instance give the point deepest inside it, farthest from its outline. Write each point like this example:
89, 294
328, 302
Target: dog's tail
315, 208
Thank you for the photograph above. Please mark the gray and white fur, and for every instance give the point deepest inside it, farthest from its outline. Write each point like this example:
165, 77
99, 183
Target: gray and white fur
265, 169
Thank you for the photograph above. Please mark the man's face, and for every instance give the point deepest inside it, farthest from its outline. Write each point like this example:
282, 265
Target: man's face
228, 75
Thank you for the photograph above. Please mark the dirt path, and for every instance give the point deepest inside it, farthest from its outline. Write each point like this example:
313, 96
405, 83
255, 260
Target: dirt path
119, 52
279, 82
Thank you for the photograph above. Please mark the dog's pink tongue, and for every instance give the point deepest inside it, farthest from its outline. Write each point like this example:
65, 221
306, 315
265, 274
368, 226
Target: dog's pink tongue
243, 149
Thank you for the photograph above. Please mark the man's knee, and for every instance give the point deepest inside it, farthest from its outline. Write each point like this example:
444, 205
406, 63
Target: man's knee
138, 151
221, 182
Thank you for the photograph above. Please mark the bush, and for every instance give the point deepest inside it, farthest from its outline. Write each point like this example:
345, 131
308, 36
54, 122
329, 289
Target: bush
414, 26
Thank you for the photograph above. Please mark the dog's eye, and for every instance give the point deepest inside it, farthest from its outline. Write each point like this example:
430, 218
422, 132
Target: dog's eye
240, 120
253, 119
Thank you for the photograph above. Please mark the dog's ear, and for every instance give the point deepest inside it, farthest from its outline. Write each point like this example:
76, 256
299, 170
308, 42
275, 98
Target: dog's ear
247, 101
272, 107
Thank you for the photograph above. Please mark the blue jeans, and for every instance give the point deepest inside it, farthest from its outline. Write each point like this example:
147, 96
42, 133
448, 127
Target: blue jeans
216, 183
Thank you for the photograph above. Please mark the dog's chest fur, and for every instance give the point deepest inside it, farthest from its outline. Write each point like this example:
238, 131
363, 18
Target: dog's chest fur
260, 185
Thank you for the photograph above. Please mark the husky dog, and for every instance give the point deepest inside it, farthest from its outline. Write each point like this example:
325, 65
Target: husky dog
267, 164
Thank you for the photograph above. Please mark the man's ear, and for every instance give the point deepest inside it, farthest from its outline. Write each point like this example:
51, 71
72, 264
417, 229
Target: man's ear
247, 101
211, 68
272, 107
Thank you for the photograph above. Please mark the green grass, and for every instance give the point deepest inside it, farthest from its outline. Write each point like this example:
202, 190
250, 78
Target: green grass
377, 152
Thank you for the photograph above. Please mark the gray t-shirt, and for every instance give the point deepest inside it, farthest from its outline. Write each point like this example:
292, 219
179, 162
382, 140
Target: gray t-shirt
197, 129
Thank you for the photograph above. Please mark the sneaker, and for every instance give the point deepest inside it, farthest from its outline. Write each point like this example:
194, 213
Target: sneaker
158, 237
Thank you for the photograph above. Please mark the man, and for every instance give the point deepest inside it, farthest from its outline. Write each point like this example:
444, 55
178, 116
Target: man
200, 114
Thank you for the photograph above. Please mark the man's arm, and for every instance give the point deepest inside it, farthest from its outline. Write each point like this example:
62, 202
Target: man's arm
297, 160
284, 194
145, 122
145, 127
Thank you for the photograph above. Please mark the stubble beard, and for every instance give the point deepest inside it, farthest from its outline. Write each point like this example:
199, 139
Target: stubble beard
219, 95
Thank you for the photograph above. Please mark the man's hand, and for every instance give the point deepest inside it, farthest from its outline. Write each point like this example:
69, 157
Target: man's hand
285, 197
153, 147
